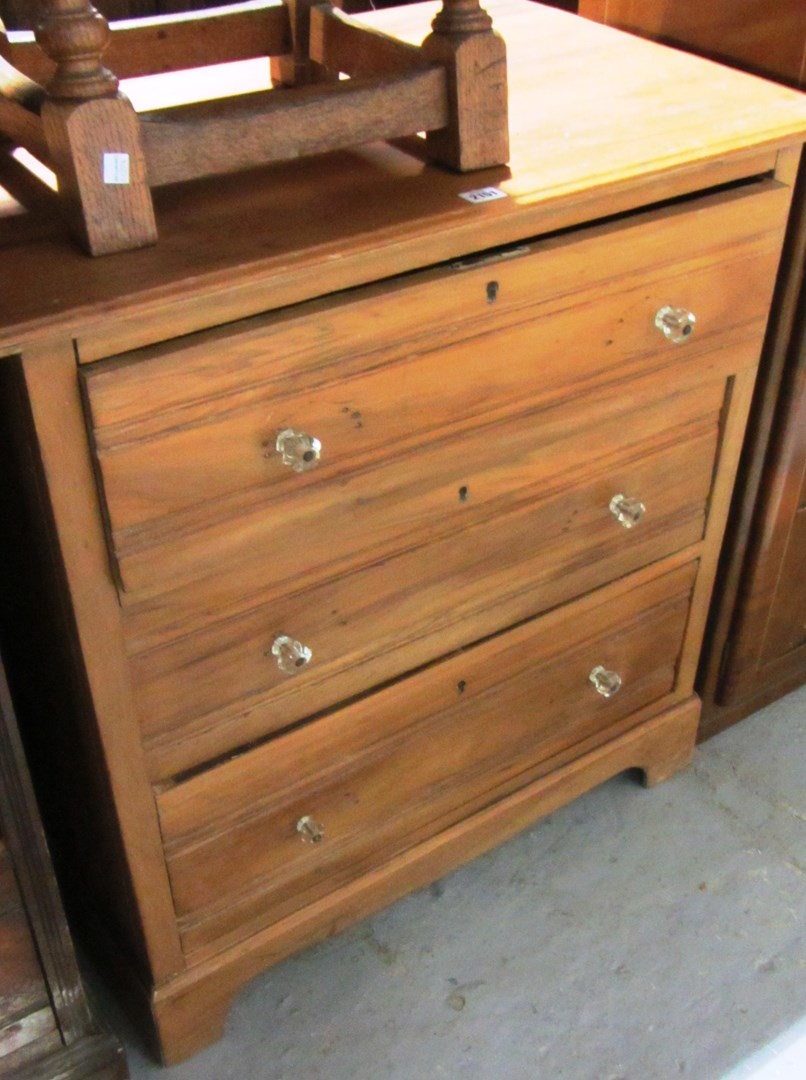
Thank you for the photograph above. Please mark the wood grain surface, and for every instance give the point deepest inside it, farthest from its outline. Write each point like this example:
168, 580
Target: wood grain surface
453, 559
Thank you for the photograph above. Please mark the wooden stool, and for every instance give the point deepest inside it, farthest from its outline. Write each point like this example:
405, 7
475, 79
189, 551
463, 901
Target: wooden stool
107, 157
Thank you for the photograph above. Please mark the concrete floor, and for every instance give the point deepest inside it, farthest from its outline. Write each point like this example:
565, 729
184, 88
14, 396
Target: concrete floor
634, 935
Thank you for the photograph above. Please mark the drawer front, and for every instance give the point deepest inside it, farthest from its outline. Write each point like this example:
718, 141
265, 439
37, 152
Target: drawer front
185, 433
206, 690
409, 760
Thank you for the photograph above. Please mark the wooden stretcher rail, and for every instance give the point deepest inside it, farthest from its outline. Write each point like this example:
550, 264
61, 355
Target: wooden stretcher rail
240, 133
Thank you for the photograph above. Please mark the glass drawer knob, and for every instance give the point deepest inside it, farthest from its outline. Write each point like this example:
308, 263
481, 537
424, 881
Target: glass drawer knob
298, 450
310, 830
290, 655
607, 683
675, 323
627, 511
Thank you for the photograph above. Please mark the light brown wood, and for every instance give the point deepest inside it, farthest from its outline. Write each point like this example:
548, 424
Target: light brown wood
237, 134
99, 149
74, 36
188, 1013
454, 548
388, 772
391, 618
138, 875
167, 472
86, 139
752, 653
298, 67
20, 105
165, 43
342, 44
475, 59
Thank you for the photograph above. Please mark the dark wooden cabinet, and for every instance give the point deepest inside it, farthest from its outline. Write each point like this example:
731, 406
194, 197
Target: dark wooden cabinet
46, 1029
20, 14
756, 647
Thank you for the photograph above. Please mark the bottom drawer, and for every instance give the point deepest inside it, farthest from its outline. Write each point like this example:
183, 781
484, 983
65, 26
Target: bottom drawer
243, 840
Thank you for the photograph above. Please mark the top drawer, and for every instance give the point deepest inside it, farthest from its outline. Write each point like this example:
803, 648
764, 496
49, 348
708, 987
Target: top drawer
185, 433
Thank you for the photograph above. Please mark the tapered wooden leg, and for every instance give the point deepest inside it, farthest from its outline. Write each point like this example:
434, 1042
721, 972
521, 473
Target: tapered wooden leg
96, 153
93, 134
474, 56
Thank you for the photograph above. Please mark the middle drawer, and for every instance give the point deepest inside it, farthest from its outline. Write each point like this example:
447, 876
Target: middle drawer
553, 532
376, 777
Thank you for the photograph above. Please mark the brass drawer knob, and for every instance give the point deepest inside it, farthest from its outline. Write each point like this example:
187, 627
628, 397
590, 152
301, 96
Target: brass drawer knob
310, 830
607, 683
627, 511
290, 655
675, 323
298, 450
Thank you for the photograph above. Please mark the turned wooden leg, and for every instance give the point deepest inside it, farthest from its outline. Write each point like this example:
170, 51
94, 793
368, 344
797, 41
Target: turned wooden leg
463, 40
93, 134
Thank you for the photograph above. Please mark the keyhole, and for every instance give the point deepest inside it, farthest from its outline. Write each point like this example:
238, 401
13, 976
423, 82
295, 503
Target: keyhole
492, 292
464, 494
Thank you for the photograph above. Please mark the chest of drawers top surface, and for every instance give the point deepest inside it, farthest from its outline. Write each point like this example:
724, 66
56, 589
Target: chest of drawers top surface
600, 122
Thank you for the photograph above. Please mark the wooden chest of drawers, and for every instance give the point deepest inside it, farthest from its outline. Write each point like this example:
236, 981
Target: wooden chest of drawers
379, 527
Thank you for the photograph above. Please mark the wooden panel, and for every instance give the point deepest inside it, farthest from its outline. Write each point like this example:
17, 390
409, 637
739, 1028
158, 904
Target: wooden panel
787, 626
767, 36
62, 555
202, 693
171, 471
9, 894
45, 1026
411, 759
748, 659
23, 991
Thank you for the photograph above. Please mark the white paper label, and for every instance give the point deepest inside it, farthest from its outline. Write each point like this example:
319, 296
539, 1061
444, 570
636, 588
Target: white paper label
116, 168
482, 195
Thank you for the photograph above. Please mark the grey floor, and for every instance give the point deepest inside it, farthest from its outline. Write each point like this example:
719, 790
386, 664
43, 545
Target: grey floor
635, 935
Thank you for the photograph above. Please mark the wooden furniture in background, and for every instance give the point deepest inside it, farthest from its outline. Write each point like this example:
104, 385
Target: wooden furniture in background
46, 1029
375, 528
756, 647
764, 36
22, 14
65, 106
